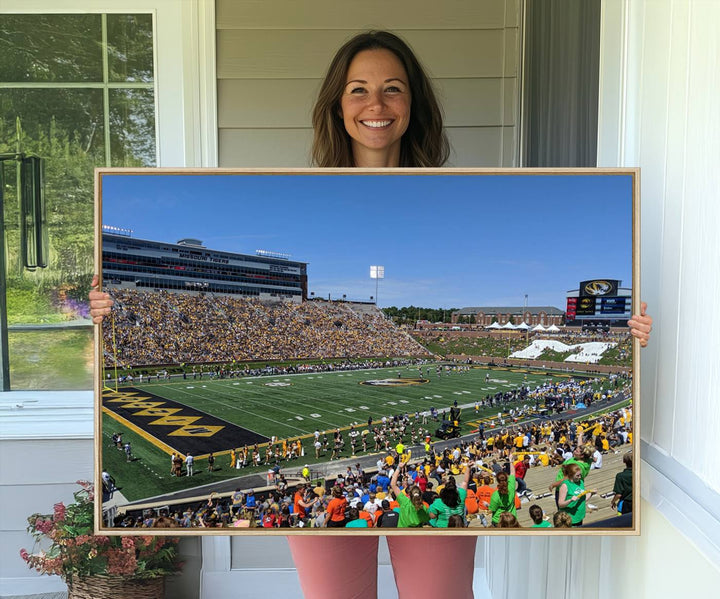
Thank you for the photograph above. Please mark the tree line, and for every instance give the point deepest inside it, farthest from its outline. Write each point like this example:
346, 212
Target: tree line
411, 314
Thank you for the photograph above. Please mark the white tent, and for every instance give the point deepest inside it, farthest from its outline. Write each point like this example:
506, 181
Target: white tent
523, 325
494, 325
553, 329
509, 325
539, 328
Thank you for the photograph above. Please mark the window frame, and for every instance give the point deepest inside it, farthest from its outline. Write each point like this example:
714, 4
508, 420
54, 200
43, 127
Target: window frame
186, 135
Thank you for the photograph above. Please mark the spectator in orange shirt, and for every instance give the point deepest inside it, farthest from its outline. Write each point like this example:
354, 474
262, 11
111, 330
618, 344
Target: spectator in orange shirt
335, 511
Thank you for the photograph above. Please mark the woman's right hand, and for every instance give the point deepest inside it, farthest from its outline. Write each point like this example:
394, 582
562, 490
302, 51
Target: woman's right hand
100, 302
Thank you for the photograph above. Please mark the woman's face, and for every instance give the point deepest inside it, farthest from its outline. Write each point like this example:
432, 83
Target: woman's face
375, 107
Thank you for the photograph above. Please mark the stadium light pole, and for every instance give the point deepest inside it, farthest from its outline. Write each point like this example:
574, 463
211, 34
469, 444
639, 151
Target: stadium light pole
377, 273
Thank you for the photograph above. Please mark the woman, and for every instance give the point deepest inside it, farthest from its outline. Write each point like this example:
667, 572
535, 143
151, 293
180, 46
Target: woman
335, 511
582, 457
451, 501
572, 496
363, 114
413, 512
562, 520
377, 108
507, 520
503, 500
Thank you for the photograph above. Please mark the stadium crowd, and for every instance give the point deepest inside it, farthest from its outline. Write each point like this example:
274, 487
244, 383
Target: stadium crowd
473, 483
171, 328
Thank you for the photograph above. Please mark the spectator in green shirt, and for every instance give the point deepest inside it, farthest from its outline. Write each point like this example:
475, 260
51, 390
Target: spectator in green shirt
413, 512
623, 486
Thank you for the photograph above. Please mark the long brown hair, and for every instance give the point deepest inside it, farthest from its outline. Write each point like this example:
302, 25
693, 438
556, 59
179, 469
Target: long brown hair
449, 494
507, 520
502, 483
415, 495
423, 144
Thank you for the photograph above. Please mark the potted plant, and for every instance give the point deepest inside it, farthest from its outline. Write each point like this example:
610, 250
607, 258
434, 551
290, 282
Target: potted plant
98, 566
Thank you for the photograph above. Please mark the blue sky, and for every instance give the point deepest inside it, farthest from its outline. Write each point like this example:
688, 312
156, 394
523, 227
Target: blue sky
446, 241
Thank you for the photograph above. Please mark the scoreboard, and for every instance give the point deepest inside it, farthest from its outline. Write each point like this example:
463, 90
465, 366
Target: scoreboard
596, 307
599, 299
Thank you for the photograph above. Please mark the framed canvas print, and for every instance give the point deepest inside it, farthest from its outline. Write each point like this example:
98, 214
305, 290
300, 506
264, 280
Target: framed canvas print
405, 351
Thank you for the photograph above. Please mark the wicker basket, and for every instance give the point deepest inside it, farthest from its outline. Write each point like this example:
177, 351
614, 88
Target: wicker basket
116, 587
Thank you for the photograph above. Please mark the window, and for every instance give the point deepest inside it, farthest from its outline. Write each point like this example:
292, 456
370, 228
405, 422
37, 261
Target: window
78, 90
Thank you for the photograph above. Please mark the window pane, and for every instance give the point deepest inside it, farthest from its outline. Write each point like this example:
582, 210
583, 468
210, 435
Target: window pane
53, 118
37, 48
130, 48
65, 127
50, 333
54, 359
132, 127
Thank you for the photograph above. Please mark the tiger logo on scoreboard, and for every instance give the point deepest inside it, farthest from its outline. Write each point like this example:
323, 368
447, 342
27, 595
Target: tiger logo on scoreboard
586, 303
599, 287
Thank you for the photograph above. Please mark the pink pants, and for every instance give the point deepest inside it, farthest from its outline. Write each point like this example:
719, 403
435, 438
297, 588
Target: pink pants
346, 566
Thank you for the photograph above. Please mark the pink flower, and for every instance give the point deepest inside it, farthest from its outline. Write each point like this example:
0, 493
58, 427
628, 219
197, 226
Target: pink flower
52, 566
43, 526
121, 562
128, 543
59, 512
77, 554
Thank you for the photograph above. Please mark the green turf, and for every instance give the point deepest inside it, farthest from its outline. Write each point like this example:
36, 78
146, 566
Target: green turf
554, 356
328, 400
148, 474
324, 401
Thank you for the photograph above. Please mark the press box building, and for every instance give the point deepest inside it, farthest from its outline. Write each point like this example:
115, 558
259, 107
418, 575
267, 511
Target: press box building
188, 266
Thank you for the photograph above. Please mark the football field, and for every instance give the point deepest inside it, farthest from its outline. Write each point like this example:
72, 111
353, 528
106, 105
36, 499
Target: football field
215, 415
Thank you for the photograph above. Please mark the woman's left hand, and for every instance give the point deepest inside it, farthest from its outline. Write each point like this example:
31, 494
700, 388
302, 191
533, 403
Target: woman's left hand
641, 325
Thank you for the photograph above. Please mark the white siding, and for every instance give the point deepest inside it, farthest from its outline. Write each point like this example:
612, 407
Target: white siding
660, 81
45, 447
672, 131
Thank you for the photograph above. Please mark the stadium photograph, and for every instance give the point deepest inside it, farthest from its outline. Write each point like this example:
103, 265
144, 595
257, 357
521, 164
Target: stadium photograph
296, 351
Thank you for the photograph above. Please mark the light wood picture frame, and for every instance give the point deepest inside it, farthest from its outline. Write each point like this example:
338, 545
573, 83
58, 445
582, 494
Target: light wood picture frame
248, 317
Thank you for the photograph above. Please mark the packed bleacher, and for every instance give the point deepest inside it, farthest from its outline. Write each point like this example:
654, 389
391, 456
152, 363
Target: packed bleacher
460, 485
152, 328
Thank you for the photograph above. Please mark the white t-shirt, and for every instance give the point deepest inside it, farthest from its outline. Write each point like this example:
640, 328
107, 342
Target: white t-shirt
372, 505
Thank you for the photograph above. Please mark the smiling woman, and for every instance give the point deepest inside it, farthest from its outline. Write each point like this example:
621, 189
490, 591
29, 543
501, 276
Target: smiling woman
377, 108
